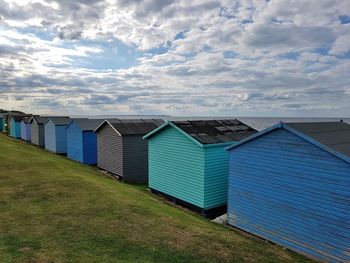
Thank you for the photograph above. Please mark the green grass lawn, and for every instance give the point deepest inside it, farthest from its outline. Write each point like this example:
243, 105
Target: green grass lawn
56, 210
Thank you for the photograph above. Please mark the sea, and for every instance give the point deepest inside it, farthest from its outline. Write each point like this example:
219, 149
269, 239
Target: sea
258, 123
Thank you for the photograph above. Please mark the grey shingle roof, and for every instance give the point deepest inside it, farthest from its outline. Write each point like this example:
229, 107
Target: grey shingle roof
88, 124
59, 120
334, 135
215, 131
127, 127
19, 118
26, 119
38, 119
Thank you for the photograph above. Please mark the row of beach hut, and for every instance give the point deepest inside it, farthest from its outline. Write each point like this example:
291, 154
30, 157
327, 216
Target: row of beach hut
289, 184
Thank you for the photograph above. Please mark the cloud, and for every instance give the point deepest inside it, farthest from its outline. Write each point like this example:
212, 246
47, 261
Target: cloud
70, 32
175, 57
282, 38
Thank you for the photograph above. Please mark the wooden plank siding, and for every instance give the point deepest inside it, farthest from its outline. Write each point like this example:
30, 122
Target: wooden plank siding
176, 166
110, 150
15, 129
135, 159
74, 143
289, 191
50, 136
26, 131
38, 134
216, 176
89, 148
61, 139
3, 124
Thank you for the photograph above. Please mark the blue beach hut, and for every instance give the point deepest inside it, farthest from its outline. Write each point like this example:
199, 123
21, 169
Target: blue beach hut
82, 141
290, 184
188, 161
55, 134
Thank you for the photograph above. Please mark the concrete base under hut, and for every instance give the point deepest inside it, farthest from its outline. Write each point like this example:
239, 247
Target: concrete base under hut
110, 174
207, 213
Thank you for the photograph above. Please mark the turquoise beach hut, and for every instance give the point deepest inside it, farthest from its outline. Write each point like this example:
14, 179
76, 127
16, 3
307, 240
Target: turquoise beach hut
15, 126
1, 120
290, 184
188, 162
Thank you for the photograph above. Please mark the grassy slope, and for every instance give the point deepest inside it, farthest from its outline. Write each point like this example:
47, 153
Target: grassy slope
56, 210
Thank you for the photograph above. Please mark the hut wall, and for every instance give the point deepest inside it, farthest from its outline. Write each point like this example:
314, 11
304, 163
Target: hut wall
50, 136
135, 159
89, 147
216, 176
61, 139
26, 131
293, 193
74, 142
110, 150
176, 166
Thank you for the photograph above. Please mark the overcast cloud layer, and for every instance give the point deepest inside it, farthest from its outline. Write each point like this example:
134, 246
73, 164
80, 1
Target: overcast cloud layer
199, 57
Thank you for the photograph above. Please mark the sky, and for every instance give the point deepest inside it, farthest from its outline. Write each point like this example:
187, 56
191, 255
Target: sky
181, 58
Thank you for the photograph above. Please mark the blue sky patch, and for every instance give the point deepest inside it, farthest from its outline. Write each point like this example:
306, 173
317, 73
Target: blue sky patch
344, 19
114, 55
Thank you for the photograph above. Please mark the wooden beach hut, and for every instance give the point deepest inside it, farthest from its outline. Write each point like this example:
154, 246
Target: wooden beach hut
2, 117
1, 120
82, 141
290, 184
55, 134
15, 126
121, 149
188, 161
26, 133
37, 130
6, 124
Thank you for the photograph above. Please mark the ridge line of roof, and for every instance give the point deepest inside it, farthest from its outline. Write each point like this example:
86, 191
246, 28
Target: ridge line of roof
218, 137
281, 125
339, 143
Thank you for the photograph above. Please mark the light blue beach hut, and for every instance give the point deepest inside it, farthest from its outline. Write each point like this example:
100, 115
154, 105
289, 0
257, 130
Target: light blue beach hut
26, 133
55, 134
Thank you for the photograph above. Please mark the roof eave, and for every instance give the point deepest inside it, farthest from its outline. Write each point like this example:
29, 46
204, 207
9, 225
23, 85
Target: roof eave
69, 124
106, 121
297, 133
175, 127
220, 144
256, 135
316, 143
32, 118
151, 133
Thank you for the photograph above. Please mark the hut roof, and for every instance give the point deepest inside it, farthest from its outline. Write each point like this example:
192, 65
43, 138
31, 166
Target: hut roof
26, 119
59, 120
333, 137
19, 118
38, 119
212, 131
126, 127
87, 124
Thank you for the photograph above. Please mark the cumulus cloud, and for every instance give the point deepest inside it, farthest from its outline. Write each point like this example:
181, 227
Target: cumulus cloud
198, 57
